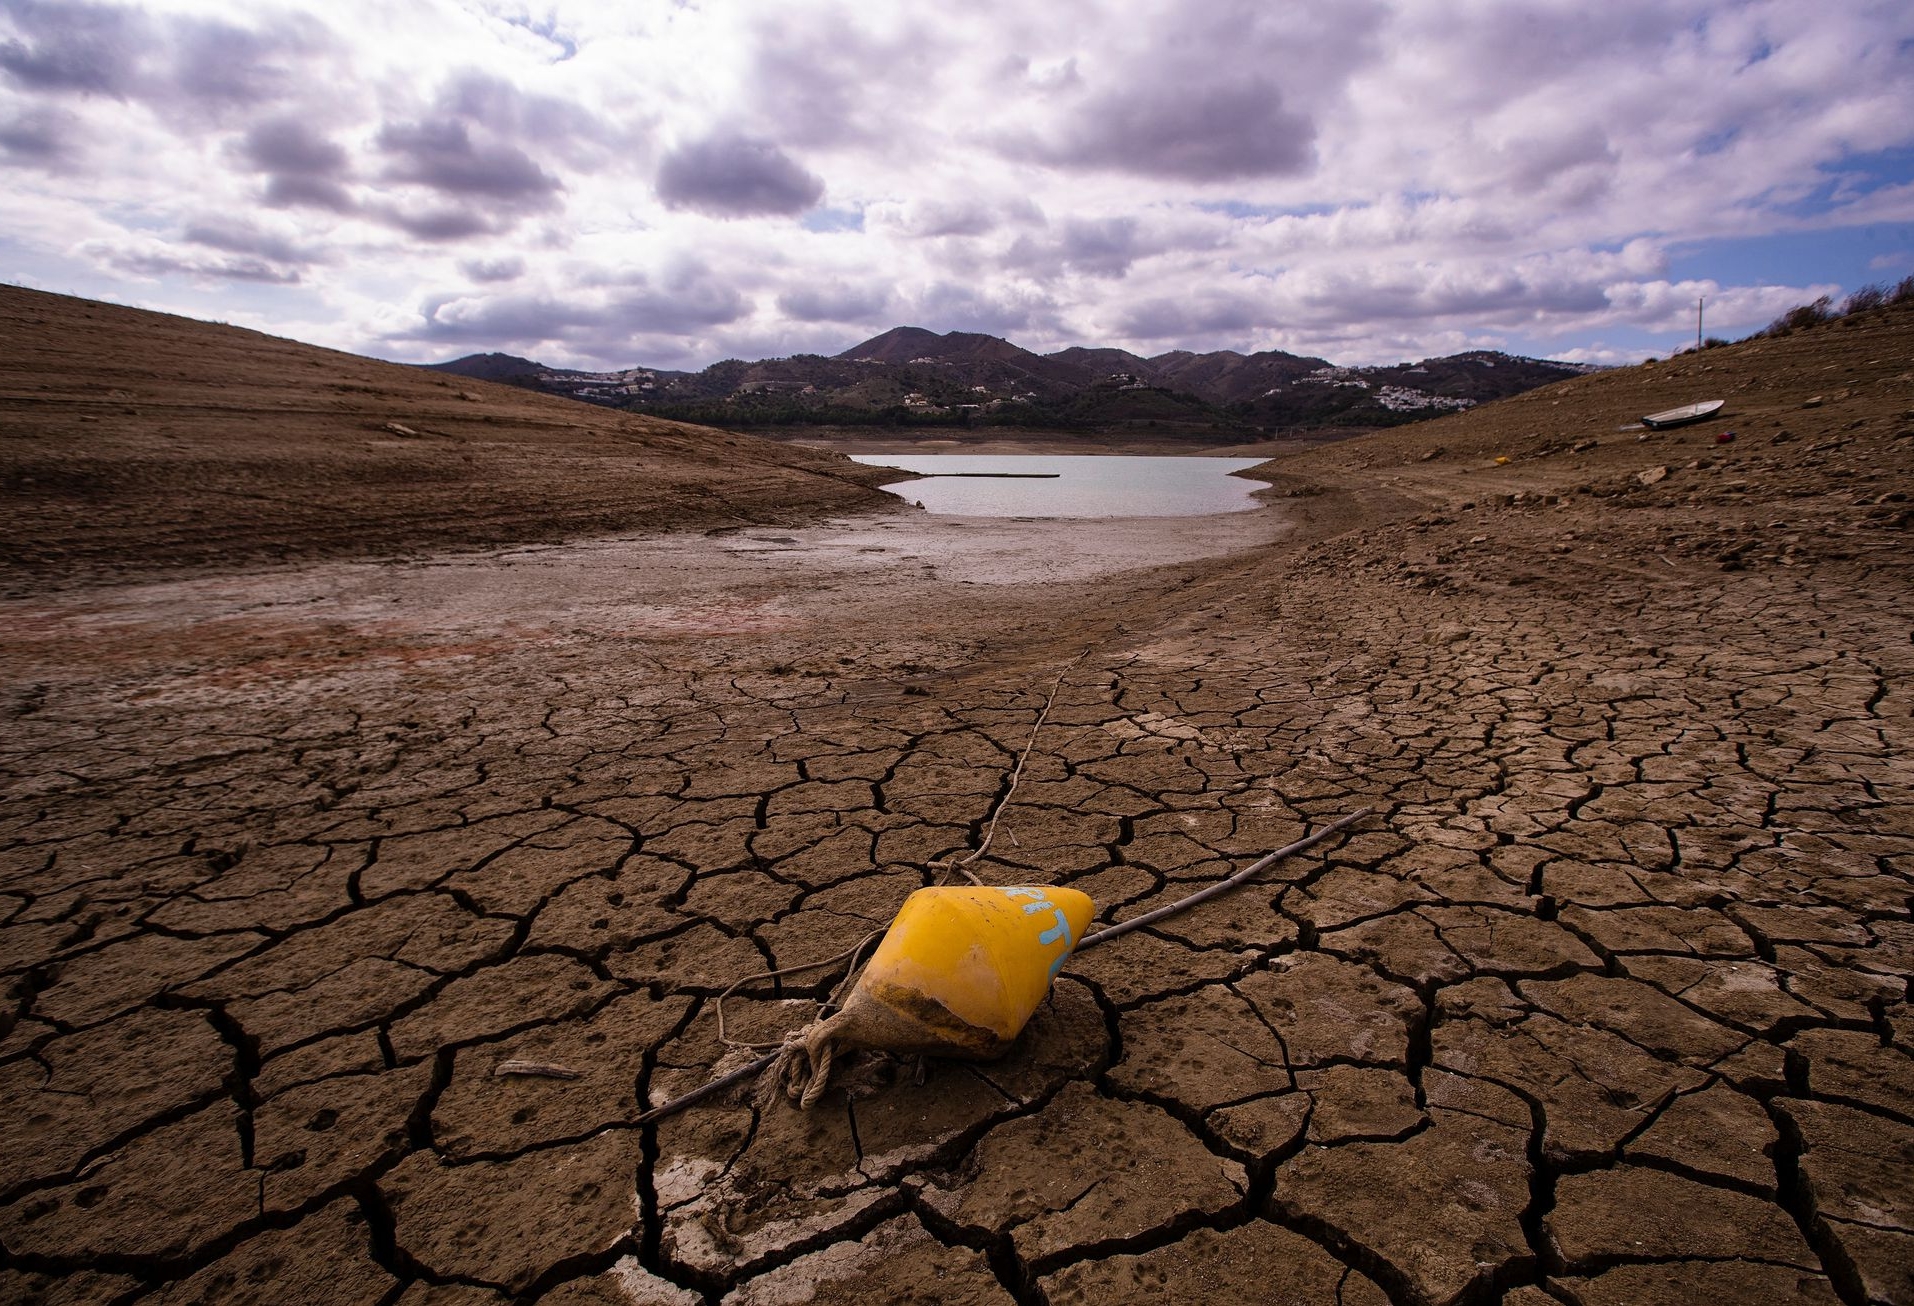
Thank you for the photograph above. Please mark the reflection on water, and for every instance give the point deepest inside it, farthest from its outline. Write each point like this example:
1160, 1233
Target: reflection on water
1086, 485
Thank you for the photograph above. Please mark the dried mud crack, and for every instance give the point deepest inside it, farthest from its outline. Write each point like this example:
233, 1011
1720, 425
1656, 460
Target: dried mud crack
1609, 1003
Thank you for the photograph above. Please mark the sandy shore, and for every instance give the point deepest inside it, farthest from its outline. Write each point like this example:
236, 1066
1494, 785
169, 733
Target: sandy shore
1608, 1002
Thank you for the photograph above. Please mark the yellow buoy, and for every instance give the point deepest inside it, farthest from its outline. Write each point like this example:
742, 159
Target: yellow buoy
958, 974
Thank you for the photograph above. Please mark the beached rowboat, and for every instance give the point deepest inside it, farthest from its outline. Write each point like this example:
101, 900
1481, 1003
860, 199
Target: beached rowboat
1685, 414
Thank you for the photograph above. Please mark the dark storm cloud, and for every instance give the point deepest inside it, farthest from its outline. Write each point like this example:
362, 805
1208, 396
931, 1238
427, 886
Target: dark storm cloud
958, 217
550, 125
438, 222
441, 154
289, 191
474, 153
44, 138
1572, 168
234, 237
820, 74
1097, 247
304, 169
960, 306
216, 62
1191, 316
491, 270
732, 176
478, 186
174, 64
681, 303
288, 145
1526, 40
74, 47
466, 154
1102, 247
1217, 129
1228, 90
1414, 292
163, 262
809, 87
835, 303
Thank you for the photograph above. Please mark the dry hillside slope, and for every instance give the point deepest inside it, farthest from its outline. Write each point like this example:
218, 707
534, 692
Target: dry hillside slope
1810, 412
137, 440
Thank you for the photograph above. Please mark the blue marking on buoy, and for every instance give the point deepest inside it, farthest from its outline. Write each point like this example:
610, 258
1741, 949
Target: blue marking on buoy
1061, 930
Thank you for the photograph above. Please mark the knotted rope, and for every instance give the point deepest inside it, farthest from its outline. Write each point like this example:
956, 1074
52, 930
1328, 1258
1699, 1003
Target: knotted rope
801, 1063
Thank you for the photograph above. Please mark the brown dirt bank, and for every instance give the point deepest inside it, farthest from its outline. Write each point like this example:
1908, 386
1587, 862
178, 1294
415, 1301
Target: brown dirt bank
132, 442
1610, 1002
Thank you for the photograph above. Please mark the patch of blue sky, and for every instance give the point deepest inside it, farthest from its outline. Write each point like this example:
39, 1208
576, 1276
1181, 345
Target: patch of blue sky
1716, 142
1850, 178
1849, 256
1874, 169
1244, 209
827, 220
547, 30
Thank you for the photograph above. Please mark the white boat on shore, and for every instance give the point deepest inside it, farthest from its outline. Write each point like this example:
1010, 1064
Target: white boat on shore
1684, 415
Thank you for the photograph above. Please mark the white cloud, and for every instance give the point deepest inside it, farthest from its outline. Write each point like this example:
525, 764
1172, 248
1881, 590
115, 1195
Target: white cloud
624, 183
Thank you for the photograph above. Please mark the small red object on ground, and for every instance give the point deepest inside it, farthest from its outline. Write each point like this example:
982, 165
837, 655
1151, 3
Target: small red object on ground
1726, 437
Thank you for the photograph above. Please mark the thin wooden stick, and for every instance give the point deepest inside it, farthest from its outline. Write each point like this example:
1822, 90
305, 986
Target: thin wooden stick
539, 1069
1221, 886
696, 1095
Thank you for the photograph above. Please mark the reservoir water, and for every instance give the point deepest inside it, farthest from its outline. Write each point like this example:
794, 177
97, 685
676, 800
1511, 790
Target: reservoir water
1073, 485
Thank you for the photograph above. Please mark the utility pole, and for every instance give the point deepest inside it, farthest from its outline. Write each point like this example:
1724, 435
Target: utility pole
1698, 304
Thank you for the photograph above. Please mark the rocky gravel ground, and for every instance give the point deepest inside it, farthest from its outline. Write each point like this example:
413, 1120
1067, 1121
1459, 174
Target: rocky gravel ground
1607, 1002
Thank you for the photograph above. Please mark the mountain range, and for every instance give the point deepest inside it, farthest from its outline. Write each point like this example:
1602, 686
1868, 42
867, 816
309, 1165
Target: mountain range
910, 377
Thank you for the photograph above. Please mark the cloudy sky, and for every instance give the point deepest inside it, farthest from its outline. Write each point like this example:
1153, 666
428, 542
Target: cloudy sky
646, 182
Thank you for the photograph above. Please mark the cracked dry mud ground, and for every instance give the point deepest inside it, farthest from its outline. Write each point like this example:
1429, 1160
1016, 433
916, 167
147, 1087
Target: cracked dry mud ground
1610, 1002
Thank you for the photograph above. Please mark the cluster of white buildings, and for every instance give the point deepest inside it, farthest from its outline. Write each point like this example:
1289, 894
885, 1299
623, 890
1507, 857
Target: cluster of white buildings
1403, 399
595, 385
